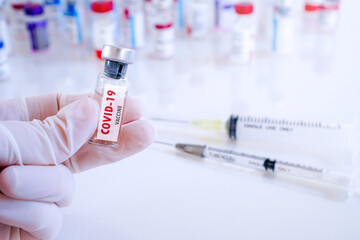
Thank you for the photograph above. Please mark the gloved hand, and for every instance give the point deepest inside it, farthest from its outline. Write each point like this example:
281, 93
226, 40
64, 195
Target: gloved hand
42, 140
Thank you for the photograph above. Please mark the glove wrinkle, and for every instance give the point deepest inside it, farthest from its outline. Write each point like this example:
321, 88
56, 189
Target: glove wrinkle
39, 127
13, 150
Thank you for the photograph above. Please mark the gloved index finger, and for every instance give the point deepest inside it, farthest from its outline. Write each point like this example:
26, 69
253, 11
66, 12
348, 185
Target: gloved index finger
27, 109
38, 107
50, 141
41, 107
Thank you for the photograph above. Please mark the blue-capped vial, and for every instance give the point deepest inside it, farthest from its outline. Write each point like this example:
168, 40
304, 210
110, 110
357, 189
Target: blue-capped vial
36, 24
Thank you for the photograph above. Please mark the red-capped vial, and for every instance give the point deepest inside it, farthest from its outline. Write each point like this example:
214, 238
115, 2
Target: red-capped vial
311, 15
164, 40
329, 15
164, 28
111, 91
243, 36
103, 25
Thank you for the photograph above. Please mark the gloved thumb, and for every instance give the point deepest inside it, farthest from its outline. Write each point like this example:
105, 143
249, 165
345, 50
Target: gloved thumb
50, 141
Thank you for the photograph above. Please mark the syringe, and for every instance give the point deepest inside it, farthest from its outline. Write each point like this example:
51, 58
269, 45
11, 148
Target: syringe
276, 131
334, 178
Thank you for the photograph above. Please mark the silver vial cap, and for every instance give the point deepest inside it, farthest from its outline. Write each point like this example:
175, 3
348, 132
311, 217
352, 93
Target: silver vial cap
123, 55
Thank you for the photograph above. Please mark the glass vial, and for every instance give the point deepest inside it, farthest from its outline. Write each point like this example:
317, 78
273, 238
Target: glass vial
103, 25
72, 23
133, 23
164, 28
198, 18
329, 16
110, 92
243, 33
37, 26
284, 26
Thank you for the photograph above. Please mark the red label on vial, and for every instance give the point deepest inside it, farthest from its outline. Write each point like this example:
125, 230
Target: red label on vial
112, 107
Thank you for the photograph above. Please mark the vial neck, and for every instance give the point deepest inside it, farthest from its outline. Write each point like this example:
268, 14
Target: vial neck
114, 69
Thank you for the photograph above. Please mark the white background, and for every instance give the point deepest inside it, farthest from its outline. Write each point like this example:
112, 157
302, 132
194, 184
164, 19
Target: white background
161, 194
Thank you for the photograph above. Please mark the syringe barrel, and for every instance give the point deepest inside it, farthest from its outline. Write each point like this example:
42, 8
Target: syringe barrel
289, 132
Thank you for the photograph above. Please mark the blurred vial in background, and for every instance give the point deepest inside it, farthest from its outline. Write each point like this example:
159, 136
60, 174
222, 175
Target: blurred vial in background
54, 13
164, 28
18, 30
149, 10
224, 14
311, 15
310, 28
4, 30
36, 25
264, 23
329, 16
284, 26
198, 18
243, 33
179, 16
72, 24
133, 22
4, 63
103, 25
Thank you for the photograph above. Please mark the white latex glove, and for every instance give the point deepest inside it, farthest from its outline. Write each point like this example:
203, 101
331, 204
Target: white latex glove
39, 136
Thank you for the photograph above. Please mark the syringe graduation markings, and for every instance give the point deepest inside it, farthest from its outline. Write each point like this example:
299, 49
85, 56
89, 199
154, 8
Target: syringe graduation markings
240, 159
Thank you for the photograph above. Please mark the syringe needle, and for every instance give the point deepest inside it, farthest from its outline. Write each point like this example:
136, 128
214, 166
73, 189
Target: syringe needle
169, 120
164, 143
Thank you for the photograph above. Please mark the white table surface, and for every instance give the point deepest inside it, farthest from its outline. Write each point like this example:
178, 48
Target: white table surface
160, 194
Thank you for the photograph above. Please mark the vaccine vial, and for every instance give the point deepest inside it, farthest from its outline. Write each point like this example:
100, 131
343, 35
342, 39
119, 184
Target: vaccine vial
164, 28
179, 15
329, 15
5, 32
243, 33
72, 23
103, 25
133, 20
53, 11
17, 23
4, 63
54, 14
283, 26
311, 15
198, 18
111, 90
224, 14
36, 25
149, 17
310, 28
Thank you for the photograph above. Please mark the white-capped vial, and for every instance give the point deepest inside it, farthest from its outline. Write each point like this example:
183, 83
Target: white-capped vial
283, 26
243, 33
103, 25
111, 90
